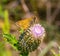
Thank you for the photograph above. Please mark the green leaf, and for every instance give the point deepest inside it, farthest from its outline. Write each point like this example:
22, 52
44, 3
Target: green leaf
11, 39
2, 49
6, 26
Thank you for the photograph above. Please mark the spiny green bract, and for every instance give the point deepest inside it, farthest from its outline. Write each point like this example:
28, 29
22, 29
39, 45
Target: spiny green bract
27, 43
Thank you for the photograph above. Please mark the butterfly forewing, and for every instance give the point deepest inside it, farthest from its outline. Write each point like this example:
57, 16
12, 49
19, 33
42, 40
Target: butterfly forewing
25, 23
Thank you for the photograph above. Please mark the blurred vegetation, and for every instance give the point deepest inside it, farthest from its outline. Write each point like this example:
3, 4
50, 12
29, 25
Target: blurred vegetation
11, 10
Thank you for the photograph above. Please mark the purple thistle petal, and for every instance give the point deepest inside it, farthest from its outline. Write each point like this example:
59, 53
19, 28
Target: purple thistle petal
37, 30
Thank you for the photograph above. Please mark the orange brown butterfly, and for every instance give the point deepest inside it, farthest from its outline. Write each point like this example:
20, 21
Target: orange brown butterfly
26, 23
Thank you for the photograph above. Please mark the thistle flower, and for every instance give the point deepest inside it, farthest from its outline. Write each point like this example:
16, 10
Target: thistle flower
29, 40
37, 31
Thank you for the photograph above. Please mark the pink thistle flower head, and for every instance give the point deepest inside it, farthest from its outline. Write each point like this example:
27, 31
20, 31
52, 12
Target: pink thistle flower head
37, 31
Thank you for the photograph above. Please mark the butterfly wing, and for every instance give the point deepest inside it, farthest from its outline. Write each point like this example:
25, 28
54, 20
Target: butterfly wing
25, 23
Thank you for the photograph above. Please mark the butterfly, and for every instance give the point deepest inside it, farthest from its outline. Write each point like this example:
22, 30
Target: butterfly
26, 23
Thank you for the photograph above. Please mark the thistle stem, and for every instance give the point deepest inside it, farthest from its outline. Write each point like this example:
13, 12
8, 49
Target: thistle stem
24, 54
